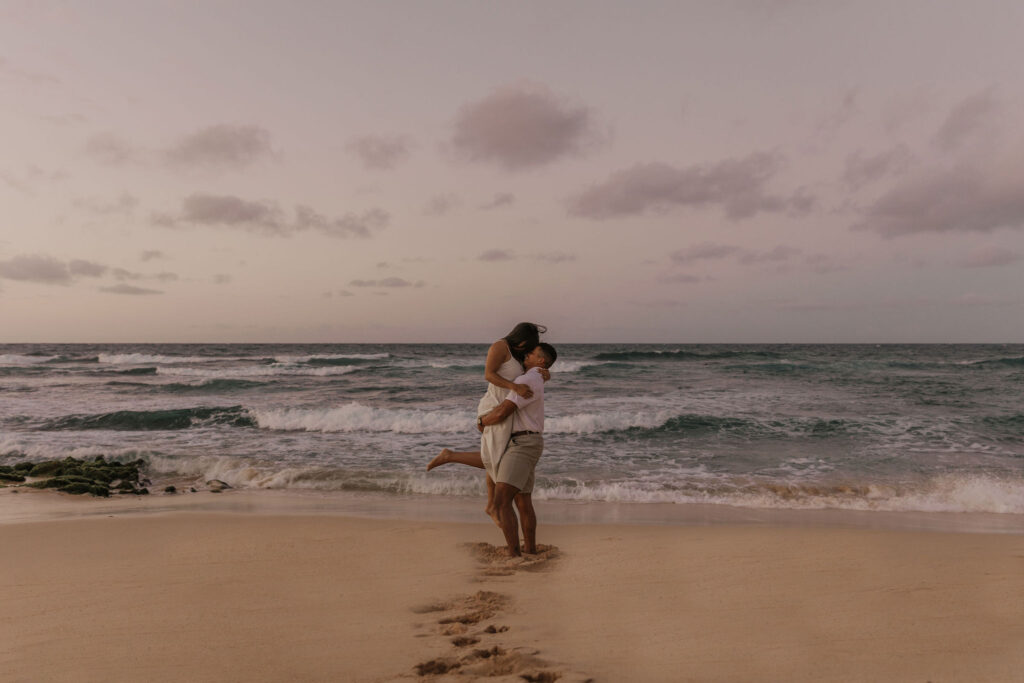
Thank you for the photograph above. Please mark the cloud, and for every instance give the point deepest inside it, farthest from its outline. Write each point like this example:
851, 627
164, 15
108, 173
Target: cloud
268, 218
221, 145
679, 278
709, 251
129, 289
441, 204
36, 268
380, 153
49, 270
500, 199
151, 254
497, 255
86, 268
988, 257
738, 186
222, 279
555, 257
861, 170
111, 150
349, 225
965, 198
703, 252
33, 77
387, 282
123, 205
522, 125
976, 114
775, 255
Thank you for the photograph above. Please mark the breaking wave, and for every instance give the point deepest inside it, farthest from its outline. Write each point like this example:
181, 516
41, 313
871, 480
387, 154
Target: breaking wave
133, 420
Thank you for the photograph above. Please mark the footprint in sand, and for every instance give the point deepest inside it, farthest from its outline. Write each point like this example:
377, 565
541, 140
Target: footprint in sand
458, 617
494, 561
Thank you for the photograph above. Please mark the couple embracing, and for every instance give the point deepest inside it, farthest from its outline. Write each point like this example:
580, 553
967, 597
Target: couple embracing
510, 418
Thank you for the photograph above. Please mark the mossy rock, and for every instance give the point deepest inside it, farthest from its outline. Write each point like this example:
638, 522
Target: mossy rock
24, 466
94, 477
170, 489
11, 476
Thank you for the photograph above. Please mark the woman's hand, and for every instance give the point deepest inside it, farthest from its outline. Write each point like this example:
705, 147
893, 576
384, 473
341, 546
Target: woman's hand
545, 373
523, 390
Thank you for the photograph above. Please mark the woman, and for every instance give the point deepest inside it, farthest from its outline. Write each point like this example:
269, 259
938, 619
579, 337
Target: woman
504, 363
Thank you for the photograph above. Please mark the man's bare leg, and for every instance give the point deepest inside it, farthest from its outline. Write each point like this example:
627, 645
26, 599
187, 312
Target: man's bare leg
528, 520
471, 458
503, 496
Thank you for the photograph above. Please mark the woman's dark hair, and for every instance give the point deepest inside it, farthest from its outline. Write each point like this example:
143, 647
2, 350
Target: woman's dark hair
523, 338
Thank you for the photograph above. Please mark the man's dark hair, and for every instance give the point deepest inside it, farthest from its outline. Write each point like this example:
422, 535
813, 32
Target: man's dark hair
549, 352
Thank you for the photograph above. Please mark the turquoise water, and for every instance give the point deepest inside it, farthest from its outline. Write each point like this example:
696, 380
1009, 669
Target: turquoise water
892, 427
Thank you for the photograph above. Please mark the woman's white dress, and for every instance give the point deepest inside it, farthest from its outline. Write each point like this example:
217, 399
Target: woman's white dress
496, 437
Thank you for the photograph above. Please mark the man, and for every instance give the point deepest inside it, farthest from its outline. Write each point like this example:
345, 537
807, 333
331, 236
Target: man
514, 475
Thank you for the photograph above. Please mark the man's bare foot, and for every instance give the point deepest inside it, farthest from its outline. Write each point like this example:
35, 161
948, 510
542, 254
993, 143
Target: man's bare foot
508, 552
440, 459
530, 550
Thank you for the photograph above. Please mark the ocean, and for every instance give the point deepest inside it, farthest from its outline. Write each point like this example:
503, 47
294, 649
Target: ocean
898, 428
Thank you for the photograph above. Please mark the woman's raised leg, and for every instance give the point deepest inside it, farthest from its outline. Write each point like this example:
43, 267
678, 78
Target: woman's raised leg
471, 458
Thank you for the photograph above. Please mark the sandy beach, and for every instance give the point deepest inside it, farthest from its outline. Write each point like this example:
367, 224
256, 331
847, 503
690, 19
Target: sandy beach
217, 596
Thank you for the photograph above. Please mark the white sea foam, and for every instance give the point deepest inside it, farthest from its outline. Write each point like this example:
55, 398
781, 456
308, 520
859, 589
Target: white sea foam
272, 370
331, 356
574, 365
19, 359
356, 417
154, 359
962, 494
589, 423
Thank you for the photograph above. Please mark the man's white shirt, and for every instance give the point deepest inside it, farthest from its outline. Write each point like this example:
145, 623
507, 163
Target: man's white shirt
529, 415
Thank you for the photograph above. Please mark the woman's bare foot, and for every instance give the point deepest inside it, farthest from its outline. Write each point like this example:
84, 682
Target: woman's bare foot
441, 459
492, 512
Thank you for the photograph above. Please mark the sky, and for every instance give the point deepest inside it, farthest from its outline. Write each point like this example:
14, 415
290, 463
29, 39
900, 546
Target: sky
726, 171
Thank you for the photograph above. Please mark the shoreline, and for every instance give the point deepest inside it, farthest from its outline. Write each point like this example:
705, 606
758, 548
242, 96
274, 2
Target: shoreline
249, 595
32, 505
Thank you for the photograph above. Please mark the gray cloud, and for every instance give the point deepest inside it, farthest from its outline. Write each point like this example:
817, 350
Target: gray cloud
268, 218
555, 257
441, 204
960, 199
111, 150
735, 185
975, 114
775, 255
861, 170
387, 282
49, 270
989, 256
86, 268
129, 289
222, 279
123, 205
222, 145
500, 199
522, 125
679, 278
349, 225
380, 152
496, 255
36, 268
151, 254
709, 251
34, 77
703, 252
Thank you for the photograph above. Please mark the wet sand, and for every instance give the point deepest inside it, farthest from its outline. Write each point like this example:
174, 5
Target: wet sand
209, 595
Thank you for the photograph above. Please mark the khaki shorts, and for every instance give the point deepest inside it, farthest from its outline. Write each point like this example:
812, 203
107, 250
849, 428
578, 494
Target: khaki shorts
519, 460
